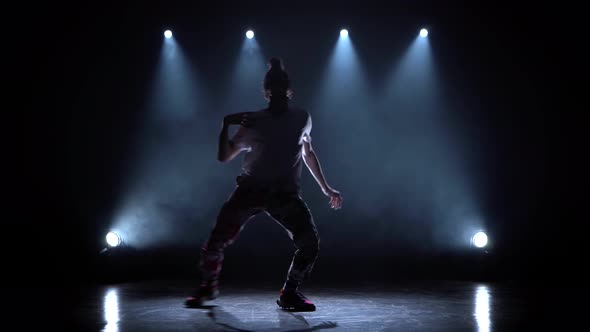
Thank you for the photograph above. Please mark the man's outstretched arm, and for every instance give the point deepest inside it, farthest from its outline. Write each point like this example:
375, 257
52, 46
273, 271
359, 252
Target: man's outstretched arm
313, 164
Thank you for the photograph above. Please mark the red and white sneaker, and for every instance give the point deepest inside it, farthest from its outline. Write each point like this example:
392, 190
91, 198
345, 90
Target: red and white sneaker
204, 293
294, 301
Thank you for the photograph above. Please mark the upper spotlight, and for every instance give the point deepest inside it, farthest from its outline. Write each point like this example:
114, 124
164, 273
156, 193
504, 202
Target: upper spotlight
250, 34
168, 34
343, 33
423, 33
113, 239
480, 239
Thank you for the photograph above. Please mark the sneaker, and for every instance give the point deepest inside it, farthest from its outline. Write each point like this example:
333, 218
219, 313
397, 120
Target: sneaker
204, 293
295, 301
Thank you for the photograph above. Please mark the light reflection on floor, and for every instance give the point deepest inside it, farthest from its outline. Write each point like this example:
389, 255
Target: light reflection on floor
440, 306
111, 311
482, 309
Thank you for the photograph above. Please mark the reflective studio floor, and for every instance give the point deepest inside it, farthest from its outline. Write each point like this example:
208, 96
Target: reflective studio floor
401, 306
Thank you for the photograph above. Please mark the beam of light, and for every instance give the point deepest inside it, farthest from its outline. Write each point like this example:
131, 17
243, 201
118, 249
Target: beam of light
168, 34
427, 164
343, 114
175, 91
246, 80
481, 311
344, 79
165, 158
480, 239
145, 216
414, 73
250, 34
113, 239
111, 311
423, 33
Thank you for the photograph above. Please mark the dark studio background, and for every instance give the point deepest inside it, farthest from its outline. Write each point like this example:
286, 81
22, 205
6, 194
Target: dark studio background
97, 68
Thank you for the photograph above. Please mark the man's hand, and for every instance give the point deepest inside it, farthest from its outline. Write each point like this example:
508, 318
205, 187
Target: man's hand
245, 119
335, 198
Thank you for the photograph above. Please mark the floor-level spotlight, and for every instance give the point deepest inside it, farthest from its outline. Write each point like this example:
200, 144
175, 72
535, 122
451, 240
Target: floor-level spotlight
479, 239
113, 239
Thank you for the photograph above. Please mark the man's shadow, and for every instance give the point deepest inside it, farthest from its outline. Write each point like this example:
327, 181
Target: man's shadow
288, 321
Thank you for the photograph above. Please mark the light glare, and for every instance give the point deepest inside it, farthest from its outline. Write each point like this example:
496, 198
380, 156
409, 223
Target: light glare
113, 239
168, 34
480, 239
250, 34
423, 33
343, 33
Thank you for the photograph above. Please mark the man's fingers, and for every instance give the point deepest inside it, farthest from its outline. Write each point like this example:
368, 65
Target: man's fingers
335, 202
338, 202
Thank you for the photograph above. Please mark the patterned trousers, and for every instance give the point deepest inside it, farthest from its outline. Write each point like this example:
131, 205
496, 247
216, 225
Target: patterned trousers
287, 208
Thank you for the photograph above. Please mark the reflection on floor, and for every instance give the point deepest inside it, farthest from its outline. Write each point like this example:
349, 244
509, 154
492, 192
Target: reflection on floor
416, 306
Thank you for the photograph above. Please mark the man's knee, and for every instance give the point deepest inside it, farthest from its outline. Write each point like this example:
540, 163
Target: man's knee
221, 239
309, 244
226, 229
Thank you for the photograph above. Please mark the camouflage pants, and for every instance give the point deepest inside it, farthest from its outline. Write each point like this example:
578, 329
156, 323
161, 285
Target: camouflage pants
287, 208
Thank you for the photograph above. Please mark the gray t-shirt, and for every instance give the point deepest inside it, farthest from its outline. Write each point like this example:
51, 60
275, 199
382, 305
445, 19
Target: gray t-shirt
274, 145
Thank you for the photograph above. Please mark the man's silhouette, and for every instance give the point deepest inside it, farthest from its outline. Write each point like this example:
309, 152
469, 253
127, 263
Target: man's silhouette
276, 140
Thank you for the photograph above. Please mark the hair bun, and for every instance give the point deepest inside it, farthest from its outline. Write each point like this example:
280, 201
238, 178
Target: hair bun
276, 79
275, 63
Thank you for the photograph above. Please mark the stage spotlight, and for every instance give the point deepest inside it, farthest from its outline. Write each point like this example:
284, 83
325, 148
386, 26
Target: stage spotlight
250, 34
168, 34
113, 239
343, 33
423, 33
480, 239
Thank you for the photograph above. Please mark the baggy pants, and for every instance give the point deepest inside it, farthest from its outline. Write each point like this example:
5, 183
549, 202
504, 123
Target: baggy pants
287, 208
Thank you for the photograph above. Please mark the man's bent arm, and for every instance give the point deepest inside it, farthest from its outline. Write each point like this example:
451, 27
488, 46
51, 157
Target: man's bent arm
313, 164
227, 150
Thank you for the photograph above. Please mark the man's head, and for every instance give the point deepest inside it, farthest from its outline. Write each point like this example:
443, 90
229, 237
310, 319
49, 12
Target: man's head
276, 81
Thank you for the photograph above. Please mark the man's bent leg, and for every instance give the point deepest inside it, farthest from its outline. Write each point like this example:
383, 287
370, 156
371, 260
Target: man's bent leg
294, 215
230, 221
